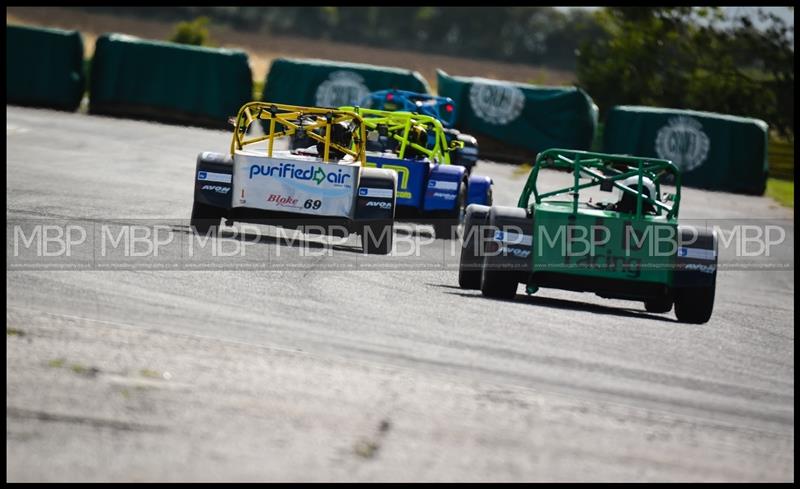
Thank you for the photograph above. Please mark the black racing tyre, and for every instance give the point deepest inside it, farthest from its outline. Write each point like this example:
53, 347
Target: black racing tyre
501, 274
498, 284
377, 237
470, 161
459, 157
694, 290
467, 278
205, 218
695, 304
446, 227
658, 306
471, 260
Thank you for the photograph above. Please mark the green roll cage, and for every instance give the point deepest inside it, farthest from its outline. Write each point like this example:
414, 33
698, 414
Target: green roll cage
604, 171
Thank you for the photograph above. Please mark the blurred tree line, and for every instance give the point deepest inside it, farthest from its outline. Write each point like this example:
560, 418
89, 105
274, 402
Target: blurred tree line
677, 57
533, 35
692, 58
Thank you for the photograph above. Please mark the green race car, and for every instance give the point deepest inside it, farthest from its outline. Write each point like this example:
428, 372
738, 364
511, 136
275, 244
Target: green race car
629, 248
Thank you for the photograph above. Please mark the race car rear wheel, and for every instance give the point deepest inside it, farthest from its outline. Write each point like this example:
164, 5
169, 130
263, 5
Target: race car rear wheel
471, 260
695, 280
506, 263
447, 226
205, 217
497, 284
377, 237
490, 197
658, 306
695, 304
468, 155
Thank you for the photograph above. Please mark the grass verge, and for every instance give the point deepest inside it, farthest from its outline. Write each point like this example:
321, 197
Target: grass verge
782, 191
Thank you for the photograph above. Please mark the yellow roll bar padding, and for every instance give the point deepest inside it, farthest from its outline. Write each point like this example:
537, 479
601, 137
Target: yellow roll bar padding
284, 120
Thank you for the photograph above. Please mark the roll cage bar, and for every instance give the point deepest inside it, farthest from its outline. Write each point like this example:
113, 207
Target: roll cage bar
604, 171
286, 120
397, 125
409, 99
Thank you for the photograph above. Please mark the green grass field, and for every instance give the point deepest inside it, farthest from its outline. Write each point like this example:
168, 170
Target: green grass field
782, 191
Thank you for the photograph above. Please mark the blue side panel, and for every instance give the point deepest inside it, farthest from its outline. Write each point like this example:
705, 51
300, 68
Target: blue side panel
442, 189
478, 192
411, 177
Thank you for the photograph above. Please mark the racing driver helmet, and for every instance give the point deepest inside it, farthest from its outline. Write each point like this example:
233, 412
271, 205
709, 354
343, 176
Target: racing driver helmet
626, 201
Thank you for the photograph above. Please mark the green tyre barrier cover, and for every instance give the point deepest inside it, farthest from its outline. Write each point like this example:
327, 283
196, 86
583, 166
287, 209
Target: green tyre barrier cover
321, 83
713, 151
169, 82
44, 67
520, 116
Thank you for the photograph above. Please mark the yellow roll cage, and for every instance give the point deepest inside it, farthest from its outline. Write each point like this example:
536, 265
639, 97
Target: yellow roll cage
398, 125
289, 118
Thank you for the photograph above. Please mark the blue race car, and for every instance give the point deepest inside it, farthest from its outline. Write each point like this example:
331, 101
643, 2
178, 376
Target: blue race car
441, 108
430, 189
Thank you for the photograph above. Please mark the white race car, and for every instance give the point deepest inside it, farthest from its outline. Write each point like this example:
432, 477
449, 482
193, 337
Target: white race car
326, 185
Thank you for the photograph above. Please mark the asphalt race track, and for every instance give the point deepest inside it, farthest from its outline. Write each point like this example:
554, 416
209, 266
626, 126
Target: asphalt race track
325, 369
